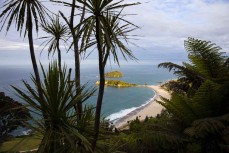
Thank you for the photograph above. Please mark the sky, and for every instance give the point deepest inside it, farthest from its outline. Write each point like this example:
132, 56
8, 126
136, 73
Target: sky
164, 25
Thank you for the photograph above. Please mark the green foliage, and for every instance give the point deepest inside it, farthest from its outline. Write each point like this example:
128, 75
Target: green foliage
205, 103
203, 127
210, 133
206, 57
12, 115
176, 86
114, 74
58, 122
155, 135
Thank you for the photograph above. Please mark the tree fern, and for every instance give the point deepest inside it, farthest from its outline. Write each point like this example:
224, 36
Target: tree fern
206, 62
179, 107
211, 133
205, 56
203, 127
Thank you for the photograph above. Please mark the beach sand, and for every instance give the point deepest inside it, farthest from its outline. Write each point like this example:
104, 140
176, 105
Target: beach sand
150, 110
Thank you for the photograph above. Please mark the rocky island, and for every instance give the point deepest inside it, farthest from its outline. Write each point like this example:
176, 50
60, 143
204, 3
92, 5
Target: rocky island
113, 74
117, 83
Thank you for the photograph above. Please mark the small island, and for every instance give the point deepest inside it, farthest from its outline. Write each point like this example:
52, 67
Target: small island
117, 83
113, 74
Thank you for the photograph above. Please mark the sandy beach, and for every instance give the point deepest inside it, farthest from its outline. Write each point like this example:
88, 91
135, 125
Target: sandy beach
150, 110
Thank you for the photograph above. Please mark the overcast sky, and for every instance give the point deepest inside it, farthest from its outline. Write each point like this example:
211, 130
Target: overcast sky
165, 24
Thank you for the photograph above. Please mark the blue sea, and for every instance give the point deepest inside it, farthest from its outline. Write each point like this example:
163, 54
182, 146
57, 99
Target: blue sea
117, 102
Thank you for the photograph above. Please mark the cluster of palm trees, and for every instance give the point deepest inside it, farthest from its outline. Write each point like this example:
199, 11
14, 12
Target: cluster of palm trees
56, 98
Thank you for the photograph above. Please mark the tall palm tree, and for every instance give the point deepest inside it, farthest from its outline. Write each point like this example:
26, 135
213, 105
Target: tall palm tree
57, 32
25, 13
99, 22
75, 34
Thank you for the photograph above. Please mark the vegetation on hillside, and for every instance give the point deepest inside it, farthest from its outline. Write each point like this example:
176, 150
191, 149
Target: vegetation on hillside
117, 83
114, 74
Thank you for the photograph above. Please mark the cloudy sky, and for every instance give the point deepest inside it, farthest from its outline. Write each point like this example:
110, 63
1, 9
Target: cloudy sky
165, 24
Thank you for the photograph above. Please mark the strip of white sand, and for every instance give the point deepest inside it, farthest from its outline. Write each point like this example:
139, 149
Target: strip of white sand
150, 110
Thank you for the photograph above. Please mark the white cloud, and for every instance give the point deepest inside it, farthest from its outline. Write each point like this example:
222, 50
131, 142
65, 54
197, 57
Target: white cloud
169, 22
165, 24
12, 45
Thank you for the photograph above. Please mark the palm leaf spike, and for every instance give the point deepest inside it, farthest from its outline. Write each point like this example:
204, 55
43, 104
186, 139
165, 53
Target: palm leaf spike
58, 105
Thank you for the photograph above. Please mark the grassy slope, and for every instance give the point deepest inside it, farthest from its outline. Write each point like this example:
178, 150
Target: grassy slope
20, 144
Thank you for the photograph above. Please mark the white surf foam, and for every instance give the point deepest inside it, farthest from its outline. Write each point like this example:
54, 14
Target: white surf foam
122, 113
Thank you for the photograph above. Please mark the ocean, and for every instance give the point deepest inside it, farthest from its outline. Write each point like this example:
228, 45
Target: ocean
117, 102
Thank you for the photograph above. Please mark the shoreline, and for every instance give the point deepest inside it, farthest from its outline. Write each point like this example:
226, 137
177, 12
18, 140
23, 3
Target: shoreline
151, 109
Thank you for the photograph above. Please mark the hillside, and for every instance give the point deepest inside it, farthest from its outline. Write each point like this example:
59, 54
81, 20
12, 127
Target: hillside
113, 74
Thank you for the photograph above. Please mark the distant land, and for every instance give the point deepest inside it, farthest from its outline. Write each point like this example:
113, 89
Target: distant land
113, 74
117, 83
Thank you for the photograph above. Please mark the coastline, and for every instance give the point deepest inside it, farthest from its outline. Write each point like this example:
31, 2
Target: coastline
151, 109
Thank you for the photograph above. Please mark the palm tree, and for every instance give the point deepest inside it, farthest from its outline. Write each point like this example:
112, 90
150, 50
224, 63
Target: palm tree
75, 34
100, 19
63, 132
25, 13
57, 32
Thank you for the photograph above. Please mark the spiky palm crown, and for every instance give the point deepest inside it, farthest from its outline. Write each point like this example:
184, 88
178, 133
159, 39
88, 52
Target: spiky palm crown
17, 10
114, 28
60, 128
57, 31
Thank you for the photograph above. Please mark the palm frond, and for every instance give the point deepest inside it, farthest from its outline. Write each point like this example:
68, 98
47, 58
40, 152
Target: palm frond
16, 10
207, 126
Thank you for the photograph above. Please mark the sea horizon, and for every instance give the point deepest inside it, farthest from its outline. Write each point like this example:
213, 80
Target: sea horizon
117, 102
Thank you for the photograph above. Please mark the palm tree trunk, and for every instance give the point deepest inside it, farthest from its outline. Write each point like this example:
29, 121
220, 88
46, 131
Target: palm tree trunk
77, 60
101, 86
33, 58
77, 76
59, 57
32, 54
